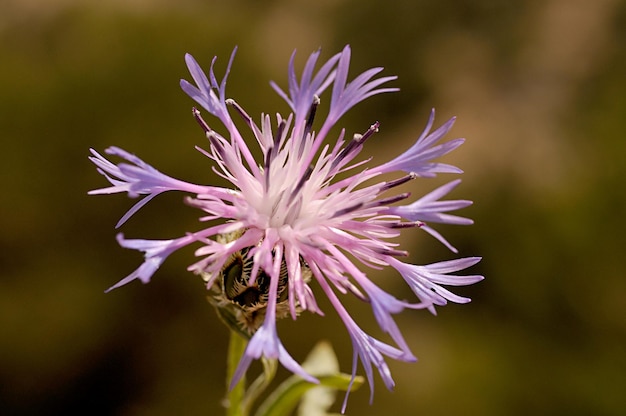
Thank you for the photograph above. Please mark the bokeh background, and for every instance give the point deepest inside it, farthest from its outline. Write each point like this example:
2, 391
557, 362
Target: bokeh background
539, 89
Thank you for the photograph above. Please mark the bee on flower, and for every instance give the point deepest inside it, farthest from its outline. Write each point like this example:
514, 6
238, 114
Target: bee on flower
302, 214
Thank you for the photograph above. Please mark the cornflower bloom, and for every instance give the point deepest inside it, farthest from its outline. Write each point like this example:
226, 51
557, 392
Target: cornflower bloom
288, 221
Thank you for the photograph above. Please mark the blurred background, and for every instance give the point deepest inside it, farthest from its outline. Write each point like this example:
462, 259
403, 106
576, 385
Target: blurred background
538, 87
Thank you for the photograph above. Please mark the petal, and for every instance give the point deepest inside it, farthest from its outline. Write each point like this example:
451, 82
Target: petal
425, 280
417, 159
265, 343
156, 251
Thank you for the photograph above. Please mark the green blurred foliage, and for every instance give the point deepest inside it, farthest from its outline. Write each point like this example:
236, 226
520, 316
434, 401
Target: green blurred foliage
539, 91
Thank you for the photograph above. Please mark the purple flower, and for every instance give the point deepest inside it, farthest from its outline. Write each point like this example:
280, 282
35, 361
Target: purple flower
290, 220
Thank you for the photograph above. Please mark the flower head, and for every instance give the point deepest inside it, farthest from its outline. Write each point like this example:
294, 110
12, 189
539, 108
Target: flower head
288, 221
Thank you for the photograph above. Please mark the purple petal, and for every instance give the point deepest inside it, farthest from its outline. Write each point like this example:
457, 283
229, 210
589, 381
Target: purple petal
265, 343
156, 251
138, 178
417, 159
425, 280
204, 92
429, 209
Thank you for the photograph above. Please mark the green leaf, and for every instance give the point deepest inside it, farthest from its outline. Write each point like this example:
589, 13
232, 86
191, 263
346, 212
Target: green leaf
322, 364
285, 398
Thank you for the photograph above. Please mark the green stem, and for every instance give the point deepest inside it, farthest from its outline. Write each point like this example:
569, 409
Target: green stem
235, 395
260, 384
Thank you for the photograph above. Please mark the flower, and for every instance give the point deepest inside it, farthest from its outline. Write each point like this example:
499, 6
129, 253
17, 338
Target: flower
289, 221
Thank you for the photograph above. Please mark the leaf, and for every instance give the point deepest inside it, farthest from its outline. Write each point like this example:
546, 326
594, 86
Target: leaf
316, 398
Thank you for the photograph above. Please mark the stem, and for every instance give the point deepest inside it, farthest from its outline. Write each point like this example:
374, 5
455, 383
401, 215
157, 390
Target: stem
260, 384
234, 398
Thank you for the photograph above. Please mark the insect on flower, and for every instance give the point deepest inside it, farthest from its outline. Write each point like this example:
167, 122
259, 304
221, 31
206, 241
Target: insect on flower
304, 213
